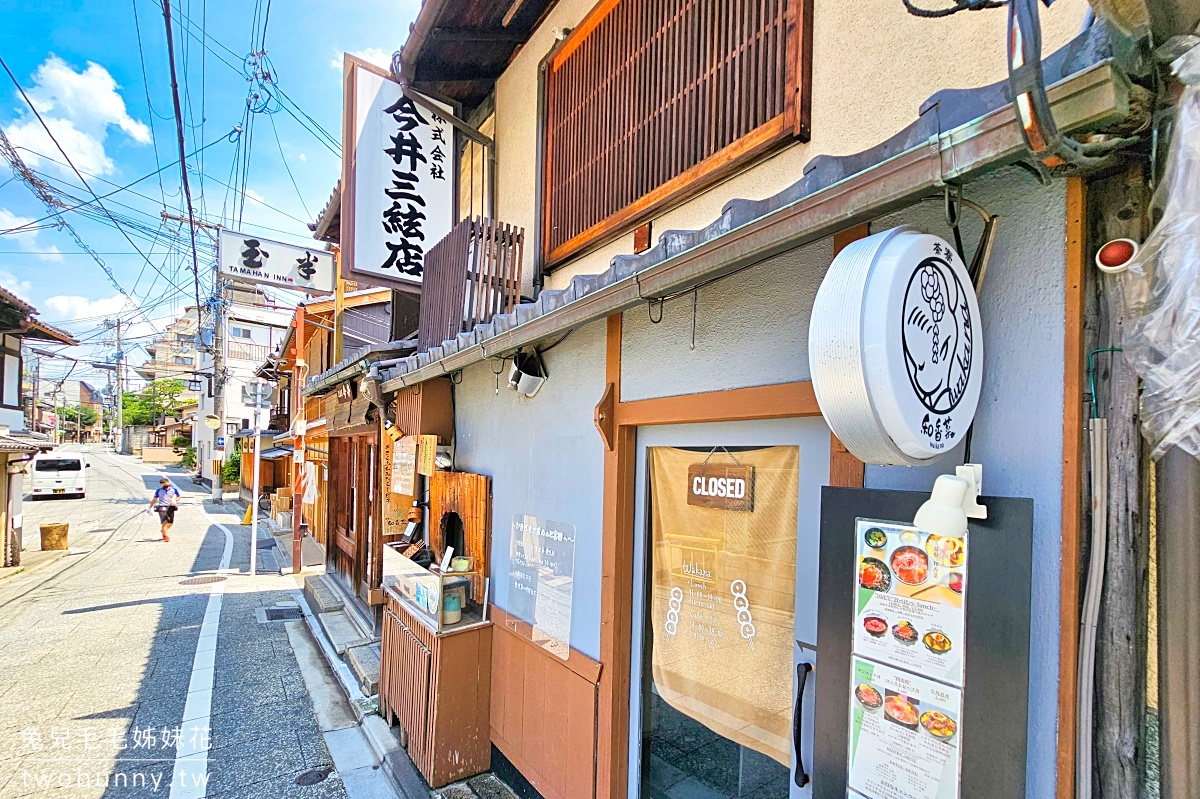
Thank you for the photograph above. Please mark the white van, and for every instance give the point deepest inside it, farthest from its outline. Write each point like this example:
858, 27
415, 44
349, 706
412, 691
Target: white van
58, 473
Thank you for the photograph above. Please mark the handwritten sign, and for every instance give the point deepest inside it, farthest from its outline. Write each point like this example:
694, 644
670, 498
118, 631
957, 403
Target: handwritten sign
427, 455
404, 466
723, 486
541, 579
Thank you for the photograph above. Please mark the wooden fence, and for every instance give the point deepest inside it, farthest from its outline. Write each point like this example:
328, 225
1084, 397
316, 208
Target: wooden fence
471, 275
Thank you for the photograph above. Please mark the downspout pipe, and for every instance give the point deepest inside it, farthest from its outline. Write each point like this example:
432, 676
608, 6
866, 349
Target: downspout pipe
1178, 534
539, 196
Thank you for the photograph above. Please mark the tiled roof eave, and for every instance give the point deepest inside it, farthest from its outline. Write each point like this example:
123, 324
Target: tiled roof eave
821, 203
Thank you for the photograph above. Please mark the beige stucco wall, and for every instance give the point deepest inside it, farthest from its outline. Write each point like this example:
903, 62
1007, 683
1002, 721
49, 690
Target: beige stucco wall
873, 65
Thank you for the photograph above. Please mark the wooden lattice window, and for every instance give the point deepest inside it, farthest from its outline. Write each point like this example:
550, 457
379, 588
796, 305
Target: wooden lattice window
649, 100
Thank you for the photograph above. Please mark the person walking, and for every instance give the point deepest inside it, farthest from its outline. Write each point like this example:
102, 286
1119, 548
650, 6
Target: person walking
165, 501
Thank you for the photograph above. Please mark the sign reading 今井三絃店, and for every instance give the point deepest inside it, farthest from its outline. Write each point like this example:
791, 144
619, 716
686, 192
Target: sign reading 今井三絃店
400, 178
721, 485
273, 263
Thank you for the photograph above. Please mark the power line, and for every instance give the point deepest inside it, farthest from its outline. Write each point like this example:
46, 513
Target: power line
288, 169
44, 193
82, 179
187, 191
159, 171
149, 106
332, 143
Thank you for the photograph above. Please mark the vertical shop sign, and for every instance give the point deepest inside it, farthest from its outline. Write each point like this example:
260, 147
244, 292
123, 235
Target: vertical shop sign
908, 663
723, 582
541, 578
402, 174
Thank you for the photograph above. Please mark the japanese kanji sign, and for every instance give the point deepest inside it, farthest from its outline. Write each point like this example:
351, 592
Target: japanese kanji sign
257, 260
399, 180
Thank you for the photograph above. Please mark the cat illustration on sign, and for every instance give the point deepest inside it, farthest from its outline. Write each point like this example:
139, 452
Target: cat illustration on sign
937, 334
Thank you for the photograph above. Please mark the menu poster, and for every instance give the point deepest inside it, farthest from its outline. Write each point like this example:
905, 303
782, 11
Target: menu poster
910, 595
404, 466
904, 733
541, 579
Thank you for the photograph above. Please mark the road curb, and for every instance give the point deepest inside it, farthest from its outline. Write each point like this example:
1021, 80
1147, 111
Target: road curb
53, 557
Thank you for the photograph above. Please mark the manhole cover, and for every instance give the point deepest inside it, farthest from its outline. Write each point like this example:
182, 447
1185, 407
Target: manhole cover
313, 777
283, 614
203, 580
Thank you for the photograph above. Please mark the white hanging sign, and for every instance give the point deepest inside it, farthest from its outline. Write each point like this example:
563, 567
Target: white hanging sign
253, 259
895, 348
399, 178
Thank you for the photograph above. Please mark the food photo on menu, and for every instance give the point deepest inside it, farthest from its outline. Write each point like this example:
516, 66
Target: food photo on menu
904, 733
911, 588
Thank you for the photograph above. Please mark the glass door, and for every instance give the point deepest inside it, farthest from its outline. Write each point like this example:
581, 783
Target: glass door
725, 607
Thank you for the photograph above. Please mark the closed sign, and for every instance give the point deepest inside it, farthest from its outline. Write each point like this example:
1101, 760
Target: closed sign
721, 485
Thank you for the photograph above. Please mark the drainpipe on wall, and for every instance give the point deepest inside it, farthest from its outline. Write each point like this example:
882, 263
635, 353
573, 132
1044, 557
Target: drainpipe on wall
539, 193
1178, 483
14, 473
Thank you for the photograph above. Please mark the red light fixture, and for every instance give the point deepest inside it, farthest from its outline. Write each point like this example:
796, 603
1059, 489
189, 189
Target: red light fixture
1114, 257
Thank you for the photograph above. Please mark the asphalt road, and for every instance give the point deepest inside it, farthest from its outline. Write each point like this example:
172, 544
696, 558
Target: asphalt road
129, 654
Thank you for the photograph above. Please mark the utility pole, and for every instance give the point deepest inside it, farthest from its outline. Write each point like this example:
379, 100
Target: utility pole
339, 304
200, 223
218, 391
217, 386
300, 428
187, 191
260, 391
119, 433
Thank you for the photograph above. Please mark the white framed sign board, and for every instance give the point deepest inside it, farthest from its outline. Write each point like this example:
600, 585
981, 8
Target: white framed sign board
398, 178
253, 259
895, 348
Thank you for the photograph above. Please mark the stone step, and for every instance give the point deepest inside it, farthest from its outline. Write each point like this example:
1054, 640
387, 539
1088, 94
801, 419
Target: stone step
342, 633
364, 662
320, 595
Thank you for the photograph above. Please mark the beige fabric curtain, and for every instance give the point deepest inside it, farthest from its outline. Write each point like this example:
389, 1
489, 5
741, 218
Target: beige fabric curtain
723, 598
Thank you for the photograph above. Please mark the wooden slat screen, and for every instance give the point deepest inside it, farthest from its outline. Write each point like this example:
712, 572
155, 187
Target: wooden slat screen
470, 276
648, 100
405, 678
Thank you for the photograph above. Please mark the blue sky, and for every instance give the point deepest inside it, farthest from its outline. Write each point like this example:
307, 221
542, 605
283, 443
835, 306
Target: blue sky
82, 67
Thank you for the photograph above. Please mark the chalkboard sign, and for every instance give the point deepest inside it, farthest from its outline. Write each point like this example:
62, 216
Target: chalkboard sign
994, 713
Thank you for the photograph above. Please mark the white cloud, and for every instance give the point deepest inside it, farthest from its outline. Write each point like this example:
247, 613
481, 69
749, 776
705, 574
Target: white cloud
301, 157
69, 307
372, 55
253, 195
26, 240
79, 108
15, 284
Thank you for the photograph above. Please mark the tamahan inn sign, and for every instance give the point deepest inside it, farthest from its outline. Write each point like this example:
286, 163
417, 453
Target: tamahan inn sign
256, 260
398, 178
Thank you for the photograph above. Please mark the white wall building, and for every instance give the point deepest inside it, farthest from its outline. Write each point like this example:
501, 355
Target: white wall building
251, 333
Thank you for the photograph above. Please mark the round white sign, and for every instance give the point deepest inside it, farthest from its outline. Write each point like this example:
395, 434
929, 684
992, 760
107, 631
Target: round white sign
895, 349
